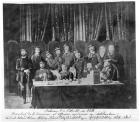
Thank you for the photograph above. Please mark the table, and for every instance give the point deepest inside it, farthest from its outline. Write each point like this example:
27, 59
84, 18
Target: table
77, 95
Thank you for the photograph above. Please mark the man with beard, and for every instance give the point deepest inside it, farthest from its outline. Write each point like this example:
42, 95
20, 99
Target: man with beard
116, 60
23, 66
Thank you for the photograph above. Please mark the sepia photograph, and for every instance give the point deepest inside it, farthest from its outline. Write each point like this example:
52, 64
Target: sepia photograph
69, 55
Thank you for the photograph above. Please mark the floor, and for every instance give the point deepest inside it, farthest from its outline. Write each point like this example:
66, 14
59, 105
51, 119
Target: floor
12, 101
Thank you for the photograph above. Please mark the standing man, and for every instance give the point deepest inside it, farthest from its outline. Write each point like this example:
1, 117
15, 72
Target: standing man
102, 55
68, 57
79, 65
36, 59
93, 57
58, 59
23, 66
50, 62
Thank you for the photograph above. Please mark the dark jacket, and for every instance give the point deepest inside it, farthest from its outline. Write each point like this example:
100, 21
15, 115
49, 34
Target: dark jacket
68, 59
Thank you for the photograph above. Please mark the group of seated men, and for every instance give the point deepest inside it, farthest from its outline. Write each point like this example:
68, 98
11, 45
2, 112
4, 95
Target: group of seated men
69, 65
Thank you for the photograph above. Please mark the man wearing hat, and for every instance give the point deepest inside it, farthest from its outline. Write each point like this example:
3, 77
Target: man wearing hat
24, 66
93, 57
58, 59
68, 57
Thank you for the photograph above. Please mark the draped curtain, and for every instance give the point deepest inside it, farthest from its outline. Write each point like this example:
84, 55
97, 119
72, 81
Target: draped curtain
40, 16
33, 21
74, 22
62, 21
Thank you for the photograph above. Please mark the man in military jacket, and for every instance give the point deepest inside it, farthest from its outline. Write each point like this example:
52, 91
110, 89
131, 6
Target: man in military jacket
68, 57
93, 57
41, 74
50, 62
58, 59
36, 59
24, 66
79, 65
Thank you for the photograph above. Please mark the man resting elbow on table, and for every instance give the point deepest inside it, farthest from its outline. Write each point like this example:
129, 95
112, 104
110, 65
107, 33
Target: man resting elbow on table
44, 74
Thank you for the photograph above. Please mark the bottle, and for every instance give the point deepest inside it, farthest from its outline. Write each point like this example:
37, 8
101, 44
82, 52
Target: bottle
96, 76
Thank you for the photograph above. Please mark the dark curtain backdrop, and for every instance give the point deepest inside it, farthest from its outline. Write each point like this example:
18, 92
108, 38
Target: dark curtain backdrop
86, 22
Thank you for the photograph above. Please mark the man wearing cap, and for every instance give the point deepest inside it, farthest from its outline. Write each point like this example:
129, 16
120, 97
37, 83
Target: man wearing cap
68, 57
23, 66
93, 57
58, 59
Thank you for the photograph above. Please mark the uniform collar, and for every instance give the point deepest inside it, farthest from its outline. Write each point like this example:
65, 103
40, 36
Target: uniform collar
67, 53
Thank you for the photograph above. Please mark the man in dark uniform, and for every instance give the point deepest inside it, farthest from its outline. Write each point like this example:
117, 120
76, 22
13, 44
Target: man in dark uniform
58, 59
68, 57
36, 59
41, 74
93, 57
50, 62
102, 55
79, 65
23, 66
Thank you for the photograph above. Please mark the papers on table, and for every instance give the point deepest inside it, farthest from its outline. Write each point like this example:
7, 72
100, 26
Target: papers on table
81, 82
